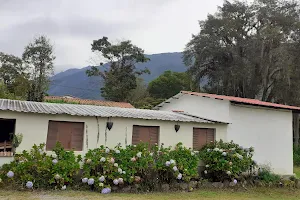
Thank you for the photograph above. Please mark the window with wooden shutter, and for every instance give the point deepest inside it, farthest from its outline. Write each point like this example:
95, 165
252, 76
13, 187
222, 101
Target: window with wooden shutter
146, 134
69, 134
202, 136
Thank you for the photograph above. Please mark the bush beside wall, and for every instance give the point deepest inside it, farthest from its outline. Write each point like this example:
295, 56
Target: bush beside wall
138, 166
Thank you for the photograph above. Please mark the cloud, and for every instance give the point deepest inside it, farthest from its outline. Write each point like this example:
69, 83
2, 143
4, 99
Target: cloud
154, 25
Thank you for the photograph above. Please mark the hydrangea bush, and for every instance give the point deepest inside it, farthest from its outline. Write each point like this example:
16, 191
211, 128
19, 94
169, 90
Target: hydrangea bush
104, 169
36, 169
226, 160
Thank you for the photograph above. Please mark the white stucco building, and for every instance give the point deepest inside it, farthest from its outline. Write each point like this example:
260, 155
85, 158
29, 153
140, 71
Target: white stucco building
83, 127
202, 118
267, 127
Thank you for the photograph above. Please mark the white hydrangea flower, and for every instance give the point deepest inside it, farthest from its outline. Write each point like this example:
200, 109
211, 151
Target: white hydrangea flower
216, 149
101, 184
57, 177
10, 174
120, 180
175, 168
139, 154
107, 150
151, 154
228, 173
172, 161
168, 163
179, 176
207, 166
117, 151
224, 154
102, 159
84, 180
208, 150
54, 161
54, 156
134, 146
64, 187
123, 172
116, 165
116, 181
102, 179
120, 170
29, 184
91, 181
192, 153
205, 171
221, 150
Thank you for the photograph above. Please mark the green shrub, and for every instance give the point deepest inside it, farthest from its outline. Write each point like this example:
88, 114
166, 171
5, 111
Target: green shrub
267, 176
226, 160
136, 164
42, 170
296, 156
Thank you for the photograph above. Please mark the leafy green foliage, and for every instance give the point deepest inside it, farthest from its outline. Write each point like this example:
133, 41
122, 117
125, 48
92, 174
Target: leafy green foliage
14, 76
267, 176
38, 167
168, 84
39, 57
138, 164
296, 156
226, 160
249, 49
120, 78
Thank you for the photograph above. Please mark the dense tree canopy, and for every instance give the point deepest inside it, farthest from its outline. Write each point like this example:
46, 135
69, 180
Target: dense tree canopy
249, 50
168, 84
39, 57
121, 77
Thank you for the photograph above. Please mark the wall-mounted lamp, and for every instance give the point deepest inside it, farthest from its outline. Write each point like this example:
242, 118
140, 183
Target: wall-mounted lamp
177, 127
109, 124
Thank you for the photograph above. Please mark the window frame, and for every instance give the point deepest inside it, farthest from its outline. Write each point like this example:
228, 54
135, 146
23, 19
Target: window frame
49, 147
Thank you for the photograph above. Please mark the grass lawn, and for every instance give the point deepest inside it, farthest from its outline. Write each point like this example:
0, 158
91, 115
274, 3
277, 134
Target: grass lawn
259, 193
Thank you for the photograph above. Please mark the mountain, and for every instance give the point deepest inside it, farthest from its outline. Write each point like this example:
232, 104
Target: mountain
76, 83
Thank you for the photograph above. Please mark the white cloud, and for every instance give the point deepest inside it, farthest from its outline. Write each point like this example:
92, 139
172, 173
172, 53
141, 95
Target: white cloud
154, 25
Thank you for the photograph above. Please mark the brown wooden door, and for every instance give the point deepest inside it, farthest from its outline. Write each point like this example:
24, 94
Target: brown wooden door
69, 134
202, 136
146, 134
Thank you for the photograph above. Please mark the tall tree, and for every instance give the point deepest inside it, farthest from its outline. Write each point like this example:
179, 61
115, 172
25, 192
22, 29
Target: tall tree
13, 75
249, 50
39, 56
168, 84
121, 77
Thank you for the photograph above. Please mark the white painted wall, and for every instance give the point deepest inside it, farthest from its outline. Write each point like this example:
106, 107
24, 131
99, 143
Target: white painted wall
34, 128
208, 108
269, 131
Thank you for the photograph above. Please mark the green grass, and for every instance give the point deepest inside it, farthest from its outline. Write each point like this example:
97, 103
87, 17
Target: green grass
297, 171
205, 194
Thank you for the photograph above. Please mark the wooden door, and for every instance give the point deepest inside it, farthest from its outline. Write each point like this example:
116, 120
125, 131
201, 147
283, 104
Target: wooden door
145, 134
69, 134
202, 136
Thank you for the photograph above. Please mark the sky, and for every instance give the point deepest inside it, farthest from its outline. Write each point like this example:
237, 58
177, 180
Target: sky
157, 26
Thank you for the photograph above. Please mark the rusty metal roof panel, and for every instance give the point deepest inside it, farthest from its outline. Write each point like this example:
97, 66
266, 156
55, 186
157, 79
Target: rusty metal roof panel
94, 111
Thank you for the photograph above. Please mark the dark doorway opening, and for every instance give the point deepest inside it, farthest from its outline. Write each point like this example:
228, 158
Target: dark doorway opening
7, 129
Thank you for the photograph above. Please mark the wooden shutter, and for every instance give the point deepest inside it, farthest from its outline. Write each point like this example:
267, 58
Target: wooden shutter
77, 136
202, 136
153, 135
69, 134
52, 135
147, 134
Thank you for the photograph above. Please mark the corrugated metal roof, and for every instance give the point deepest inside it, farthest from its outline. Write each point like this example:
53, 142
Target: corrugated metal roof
91, 110
243, 100
89, 102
